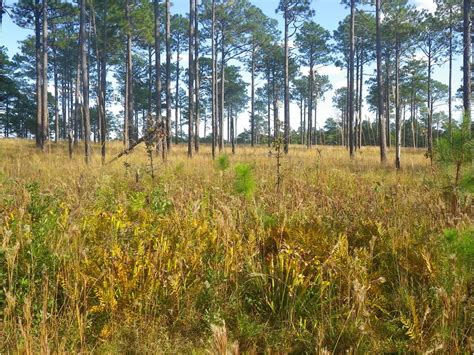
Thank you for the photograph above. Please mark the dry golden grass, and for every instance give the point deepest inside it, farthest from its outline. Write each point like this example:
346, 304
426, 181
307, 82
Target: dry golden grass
348, 256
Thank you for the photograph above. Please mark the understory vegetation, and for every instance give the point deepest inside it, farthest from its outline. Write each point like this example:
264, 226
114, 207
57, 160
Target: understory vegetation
212, 256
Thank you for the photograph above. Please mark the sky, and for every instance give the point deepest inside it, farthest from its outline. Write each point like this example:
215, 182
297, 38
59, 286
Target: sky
328, 13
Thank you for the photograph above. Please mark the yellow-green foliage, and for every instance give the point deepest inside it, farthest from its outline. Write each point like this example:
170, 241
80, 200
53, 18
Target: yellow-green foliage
347, 256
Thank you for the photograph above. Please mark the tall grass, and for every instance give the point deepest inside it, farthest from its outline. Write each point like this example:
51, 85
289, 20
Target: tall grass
347, 256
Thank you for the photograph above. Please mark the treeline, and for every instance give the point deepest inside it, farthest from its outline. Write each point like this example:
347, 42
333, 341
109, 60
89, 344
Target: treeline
89, 57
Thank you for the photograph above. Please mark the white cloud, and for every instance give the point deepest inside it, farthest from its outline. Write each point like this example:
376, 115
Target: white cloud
429, 5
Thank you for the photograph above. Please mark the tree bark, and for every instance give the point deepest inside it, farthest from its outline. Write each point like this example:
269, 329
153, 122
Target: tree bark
214, 79
429, 105
222, 95
380, 108
191, 78
286, 136
450, 83
56, 95
309, 140
168, 75
85, 83
176, 107
196, 77
397, 106
44, 67
39, 74
252, 95
351, 81
467, 59
159, 121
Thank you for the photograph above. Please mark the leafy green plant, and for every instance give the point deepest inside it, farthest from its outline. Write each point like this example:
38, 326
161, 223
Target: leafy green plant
158, 201
244, 183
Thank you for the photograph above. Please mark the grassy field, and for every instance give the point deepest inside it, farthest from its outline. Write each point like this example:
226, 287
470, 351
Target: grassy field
348, 256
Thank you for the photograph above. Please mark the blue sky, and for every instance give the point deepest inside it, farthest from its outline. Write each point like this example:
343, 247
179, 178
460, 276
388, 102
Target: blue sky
328, 13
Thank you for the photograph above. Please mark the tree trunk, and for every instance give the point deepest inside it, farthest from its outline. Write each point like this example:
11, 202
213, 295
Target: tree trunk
357, 95
39, 75
467, 59
56, 95
176, 107
450, 83
252, 96
397, 106
380, 108
429, 122
222, 96
159, 121
44, 67
196, 77
191, 78
168, 75
85, 83
301, 121
286, 136
232, 133
214, 79
309, 140
387, 100
269, 117
63, 106
361, 83
351, 81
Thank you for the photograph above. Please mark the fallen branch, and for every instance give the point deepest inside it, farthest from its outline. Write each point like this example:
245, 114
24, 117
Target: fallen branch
150, 136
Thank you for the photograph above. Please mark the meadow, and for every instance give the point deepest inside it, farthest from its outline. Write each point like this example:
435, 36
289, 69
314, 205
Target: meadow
217, 257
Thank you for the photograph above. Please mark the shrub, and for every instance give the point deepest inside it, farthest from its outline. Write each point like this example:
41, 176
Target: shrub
223, 162
244, 183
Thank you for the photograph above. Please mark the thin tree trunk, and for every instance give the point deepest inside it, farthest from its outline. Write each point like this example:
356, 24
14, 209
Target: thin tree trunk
351, 81
397, 106
286, 137
252, 96
168, 75
176, 107
44, 67
301, 121
387, 100
380, 108
39, 75
63, 106
196, 76
269, 117
85, 83
232, 133
450, 83
467, 59
222, 96
159, 121
56, 95
361, 83
429, 105
309, 140
214, 79
191, 78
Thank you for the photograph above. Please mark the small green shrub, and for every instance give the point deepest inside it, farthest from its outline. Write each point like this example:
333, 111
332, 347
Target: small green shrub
461, 243
244, 183
158, 201
223, 162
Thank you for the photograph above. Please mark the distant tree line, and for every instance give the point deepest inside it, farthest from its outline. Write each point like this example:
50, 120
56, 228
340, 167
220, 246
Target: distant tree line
62, 83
